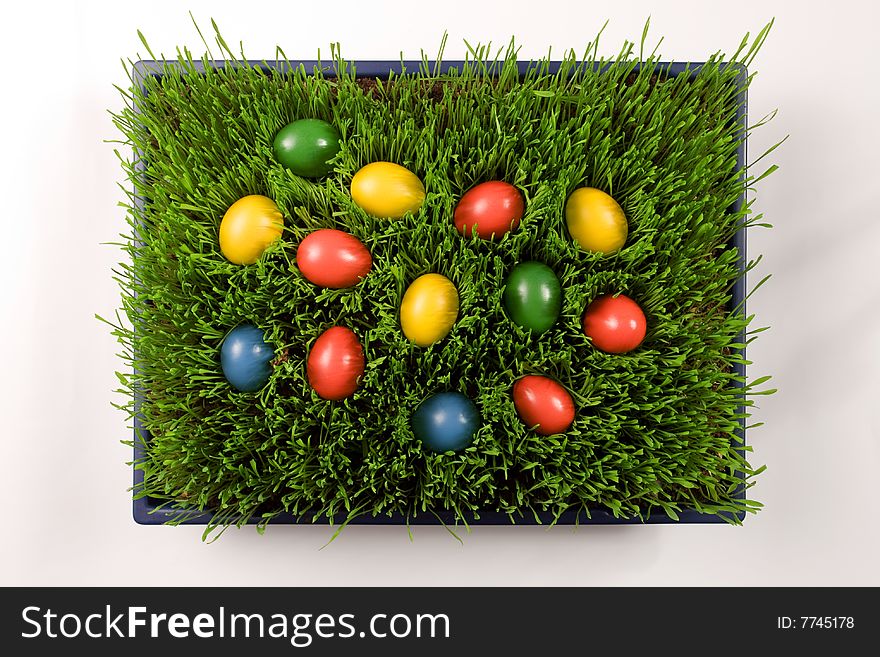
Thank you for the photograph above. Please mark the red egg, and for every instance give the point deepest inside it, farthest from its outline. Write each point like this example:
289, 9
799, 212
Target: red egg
489, 210
543, 402
615, 324
332, 258
336, 363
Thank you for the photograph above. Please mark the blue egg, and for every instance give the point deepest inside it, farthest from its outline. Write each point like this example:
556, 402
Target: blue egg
245, 357
446, 422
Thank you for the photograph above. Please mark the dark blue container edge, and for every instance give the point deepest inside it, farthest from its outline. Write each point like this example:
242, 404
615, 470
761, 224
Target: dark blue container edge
146, 512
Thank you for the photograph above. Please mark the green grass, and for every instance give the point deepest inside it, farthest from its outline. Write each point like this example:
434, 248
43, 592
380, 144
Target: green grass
655, 428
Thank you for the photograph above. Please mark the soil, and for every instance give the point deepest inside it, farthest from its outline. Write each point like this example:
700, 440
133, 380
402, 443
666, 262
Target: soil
433, 89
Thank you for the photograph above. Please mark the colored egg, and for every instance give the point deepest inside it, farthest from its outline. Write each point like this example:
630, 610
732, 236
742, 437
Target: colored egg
245, 358
543, 404
489, 210
250, 225
306, 147
615, 324
595, 220
336, 363
387, 190
532, 296
332, 258
446, 422
429, 309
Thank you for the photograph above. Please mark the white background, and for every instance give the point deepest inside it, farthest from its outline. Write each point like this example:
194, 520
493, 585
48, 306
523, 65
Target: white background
66, 515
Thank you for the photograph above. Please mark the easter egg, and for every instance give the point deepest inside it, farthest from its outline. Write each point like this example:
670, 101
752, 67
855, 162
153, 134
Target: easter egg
489, 210
543, 404
250, 225
332, 258
595, 220
615, 324
532, 296
387, 190
306, 147
429, 309
446, 422
245, 358
335, 363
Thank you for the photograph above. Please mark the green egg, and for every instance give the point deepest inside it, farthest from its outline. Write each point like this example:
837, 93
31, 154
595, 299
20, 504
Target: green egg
306, 147
533, 296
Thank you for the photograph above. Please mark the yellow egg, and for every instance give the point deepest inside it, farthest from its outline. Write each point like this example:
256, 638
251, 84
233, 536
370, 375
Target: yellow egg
595, 220
250, 225
429, 309
387, 190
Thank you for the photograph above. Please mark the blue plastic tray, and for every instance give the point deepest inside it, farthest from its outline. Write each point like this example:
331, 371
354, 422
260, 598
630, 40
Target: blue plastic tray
147, 511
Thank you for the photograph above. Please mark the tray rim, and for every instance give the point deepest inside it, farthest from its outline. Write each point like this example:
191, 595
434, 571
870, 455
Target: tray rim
146, 512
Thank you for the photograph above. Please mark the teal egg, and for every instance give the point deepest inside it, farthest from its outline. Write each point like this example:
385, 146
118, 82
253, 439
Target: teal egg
245, 358
446, 422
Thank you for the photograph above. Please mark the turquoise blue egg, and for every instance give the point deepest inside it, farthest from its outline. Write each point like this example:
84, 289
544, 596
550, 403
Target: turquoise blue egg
446, 422
246, 358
